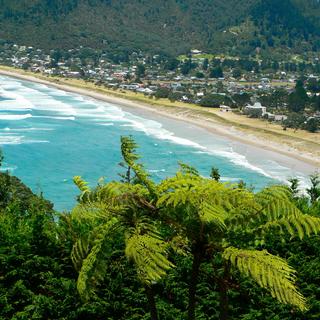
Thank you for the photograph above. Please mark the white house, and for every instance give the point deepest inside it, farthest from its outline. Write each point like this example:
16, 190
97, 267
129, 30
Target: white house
255, 111
196, 51
224, 108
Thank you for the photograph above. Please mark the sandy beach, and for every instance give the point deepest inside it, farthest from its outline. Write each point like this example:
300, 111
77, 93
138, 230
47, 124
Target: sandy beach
303, 147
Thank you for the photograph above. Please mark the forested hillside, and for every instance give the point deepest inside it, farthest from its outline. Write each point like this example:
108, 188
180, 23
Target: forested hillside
173, 26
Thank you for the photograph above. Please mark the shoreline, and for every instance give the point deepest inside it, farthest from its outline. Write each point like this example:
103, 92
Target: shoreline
196, 116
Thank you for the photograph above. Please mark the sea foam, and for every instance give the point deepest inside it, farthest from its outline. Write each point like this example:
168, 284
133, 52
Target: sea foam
15, 116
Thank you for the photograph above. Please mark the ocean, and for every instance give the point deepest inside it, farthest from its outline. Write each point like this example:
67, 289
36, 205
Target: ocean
48, 136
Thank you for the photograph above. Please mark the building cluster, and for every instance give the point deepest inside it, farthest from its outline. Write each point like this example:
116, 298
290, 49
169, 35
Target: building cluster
151, 76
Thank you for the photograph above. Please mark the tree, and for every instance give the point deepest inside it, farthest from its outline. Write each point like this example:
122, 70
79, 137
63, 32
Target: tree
294, 120
313, 85
125, 235
241, 99
174, 96
279, 98
141, 70
316, 104
298, 99
33, 259
187, 215
237, 73
120, 211
215, 100
171, 64
187, 66
216, 72
294, 187
223, 221
199, 75
162, 93
314, 190
215, 175
205, 64
312, 124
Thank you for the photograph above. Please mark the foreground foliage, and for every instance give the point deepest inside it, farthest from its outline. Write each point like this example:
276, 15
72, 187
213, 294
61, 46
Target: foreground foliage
188, 247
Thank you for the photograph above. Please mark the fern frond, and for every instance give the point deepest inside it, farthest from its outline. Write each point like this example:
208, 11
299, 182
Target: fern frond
213, 214
92, 271
298, 224
187, 169
278, 211
148, 252
79, 252
275, 202
128, 149
144, 178
270, 272
180, 244
82, 186
92, 213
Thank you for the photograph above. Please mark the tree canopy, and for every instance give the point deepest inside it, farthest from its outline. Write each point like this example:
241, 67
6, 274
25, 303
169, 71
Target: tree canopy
188, 247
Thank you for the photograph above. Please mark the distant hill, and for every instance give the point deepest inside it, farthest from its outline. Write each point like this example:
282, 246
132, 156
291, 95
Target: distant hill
171, 26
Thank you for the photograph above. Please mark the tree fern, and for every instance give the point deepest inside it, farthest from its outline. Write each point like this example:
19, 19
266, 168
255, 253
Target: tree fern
83, 187
128, 148
90, 257
301, 225
270, 272
79, 252
148, 252
278, 212
197, 216
215, 214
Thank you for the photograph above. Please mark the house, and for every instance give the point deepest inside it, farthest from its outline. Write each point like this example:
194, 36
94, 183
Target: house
225, 108
196, 51
147, 91
280, 117
265, 80
255, 111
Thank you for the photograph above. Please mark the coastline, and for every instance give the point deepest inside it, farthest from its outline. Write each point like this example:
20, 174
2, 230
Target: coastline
204, 118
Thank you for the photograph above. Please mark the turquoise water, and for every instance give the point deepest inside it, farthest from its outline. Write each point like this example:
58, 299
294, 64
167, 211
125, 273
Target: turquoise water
48, 136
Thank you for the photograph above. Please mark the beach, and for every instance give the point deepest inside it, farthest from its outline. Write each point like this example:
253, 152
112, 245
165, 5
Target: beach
299, 146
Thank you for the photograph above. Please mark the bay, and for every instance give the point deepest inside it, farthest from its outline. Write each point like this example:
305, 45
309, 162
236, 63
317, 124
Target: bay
48, 136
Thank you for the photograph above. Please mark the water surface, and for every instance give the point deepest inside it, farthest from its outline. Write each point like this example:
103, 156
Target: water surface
48, 136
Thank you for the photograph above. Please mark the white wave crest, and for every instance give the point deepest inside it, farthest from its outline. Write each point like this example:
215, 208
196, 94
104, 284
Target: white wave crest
13, 130
56, 117
15, 116
7, 140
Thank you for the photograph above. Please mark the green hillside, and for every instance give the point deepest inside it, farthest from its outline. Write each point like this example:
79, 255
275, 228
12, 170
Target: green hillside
172, 26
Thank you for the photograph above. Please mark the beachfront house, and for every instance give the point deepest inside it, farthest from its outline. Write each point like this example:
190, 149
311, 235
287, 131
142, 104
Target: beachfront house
280, 117
255, 111
224, 108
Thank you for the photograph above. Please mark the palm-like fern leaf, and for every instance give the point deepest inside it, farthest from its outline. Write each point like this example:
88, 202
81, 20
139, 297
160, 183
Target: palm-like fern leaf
270, 272
79, 252
89, 258
83, 187
212, 214
148, 251
208, 199
302, 224
128, 148
275, 202
278, 211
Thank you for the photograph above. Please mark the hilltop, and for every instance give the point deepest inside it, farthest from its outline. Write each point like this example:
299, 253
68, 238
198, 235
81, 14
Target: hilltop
173, 26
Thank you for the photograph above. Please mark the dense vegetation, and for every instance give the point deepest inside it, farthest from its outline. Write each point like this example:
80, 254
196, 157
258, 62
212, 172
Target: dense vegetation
174, 26
187, 248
